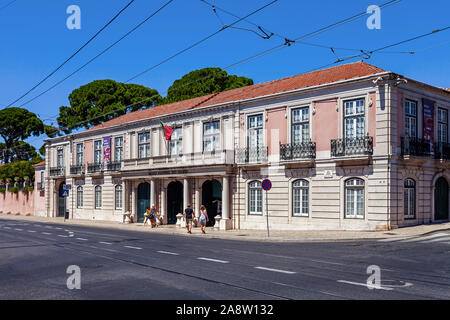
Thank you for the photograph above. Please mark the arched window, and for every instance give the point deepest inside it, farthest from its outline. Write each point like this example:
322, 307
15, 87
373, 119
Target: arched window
354, 198
254, 198
98, 197
80, 197
300, 198
409, 199
118, 197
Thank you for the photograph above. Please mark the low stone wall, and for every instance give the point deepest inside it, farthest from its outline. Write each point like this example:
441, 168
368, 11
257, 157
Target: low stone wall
17, 203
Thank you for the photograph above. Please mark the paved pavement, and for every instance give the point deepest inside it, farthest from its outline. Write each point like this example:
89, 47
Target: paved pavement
125, 263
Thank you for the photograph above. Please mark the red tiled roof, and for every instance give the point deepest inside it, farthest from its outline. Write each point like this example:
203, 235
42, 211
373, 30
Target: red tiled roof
338, 73
42, 163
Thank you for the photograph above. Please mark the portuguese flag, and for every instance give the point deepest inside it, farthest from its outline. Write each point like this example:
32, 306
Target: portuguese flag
167, 130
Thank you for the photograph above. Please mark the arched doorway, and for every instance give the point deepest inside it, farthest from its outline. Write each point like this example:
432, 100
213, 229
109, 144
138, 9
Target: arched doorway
174, 201
212, 199
61, 200
441, 199
143, 200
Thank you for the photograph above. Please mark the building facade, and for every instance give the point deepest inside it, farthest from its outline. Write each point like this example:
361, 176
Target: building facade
352, 147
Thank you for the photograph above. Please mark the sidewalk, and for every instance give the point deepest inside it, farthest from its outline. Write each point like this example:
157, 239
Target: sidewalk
250, 235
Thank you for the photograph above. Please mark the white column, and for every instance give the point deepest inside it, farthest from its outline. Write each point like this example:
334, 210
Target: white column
124, 196
197, 198
186, 200
163, 204
133, 200
152, 192
225, 222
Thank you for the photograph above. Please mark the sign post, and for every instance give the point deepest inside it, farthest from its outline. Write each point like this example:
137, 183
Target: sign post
267, 185
65, 194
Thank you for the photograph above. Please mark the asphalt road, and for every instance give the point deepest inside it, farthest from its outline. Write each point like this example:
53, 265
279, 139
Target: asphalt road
122, 264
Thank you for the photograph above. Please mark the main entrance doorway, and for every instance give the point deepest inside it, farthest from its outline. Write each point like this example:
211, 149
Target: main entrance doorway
174, 201
143, 200
61, 201
441, 199
212, 199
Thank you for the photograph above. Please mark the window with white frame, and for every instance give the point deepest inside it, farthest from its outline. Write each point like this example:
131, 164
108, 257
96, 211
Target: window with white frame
98, 197
79, 197
354, 198
98, 151
211, 136
255, 131
442, 125
118, 197
118, 149
60, 158
300, 198
42, 180
176, 142
300, 125
144, 145
80, 157
354, 118
410, 119
409, 199
255, 198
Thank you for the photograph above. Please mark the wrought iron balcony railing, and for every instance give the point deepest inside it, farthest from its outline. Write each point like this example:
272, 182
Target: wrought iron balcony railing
57, 171
251, 155
94, 167
352, 146
415, 147
442, 150
79, 169
114, 166
304, 150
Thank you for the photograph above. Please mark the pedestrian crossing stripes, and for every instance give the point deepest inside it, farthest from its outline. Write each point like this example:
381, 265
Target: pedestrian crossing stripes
440, 237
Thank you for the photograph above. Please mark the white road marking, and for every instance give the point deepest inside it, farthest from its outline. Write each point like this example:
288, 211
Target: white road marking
47, 233
213, 260
31, 231
18, 229
83, 239
131, 247
57, 228
62, 236
7, 227
363, 285
443, 239
167, 252
276, 270
105, 242
440, 234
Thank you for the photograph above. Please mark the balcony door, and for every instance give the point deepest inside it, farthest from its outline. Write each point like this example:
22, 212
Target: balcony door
255, 137
354, 119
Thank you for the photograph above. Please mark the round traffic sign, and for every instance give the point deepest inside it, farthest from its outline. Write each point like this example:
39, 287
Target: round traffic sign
266, 184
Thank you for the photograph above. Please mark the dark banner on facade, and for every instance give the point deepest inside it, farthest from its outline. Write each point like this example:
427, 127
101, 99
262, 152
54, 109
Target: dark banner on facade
428, 122
106, 150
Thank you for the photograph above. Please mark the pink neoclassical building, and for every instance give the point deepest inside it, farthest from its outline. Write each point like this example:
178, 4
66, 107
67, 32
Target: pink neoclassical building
350, 147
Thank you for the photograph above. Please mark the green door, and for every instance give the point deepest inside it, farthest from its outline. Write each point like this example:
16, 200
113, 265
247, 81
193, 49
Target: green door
441, 199
143, 200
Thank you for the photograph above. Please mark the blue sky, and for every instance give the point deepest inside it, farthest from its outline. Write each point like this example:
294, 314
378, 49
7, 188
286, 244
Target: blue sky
35, 40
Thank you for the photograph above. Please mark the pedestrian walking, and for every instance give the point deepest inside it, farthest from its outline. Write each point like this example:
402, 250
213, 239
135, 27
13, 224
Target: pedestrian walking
189, 215
152, 216
203, 218
147, 215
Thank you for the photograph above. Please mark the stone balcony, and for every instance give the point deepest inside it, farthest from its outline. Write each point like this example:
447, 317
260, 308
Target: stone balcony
221, 157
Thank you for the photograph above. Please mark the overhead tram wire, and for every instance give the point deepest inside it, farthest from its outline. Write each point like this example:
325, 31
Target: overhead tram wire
232, 66
7, 5
74, 54
100, 54
199, 42
265, 52
258, 55
362, 55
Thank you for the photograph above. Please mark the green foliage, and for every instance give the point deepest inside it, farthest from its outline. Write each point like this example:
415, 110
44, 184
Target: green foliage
202, 82
17, 124
98, 101
18, 169
25, 190
2, 189
13, 189
19, 151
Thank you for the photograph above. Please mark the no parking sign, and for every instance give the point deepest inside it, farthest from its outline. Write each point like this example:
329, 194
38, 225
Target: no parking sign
266, 184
